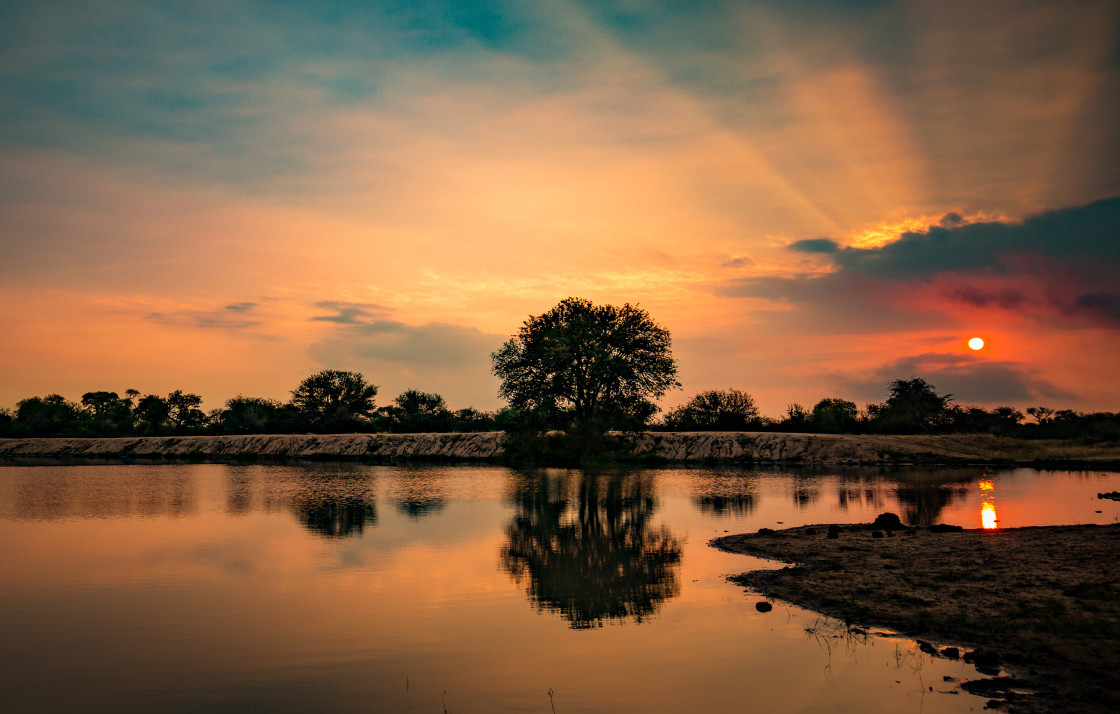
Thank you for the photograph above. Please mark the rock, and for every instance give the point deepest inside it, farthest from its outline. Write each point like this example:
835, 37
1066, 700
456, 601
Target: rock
995, 687
876, 534
834, 531
766, 531
926, 647
763, 606
1114, 495
951, 653
887, 522
945, 528
984, 657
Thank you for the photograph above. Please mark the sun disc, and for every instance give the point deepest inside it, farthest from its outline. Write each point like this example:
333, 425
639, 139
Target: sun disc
976, 343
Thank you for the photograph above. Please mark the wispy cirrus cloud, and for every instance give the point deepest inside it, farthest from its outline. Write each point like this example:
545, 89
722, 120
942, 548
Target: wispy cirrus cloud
237, 316
349, 313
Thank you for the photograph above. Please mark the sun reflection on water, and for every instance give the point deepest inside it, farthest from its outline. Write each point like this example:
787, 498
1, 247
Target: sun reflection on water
988, 516
988, 509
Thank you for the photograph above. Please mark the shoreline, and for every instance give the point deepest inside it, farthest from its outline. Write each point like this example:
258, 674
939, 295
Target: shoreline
1043, 602
647, 448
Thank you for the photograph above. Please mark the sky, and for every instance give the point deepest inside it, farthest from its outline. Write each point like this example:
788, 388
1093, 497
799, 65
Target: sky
814, 198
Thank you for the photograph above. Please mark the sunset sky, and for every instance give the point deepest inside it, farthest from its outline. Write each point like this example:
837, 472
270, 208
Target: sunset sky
814, 198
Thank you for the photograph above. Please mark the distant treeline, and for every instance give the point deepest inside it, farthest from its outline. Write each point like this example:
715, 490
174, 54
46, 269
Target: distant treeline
330, 402
336, 401
913, 407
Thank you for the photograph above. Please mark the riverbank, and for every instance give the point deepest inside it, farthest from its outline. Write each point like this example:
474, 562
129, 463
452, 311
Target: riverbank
1041, 602
646, 447
482, 446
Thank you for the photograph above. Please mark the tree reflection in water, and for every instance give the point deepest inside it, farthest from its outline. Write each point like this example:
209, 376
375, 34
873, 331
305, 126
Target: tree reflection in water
418, 508
336, 505
582, 545
922, 493
925, 493
725, 493
421, 493
718, 505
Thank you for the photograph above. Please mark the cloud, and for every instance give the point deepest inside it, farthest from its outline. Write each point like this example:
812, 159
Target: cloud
1057, 267
348, 313
435, 344
741, 261
815, 245
1105, 307
968, 379
452, 360
979, 296
221, 319
1070, 236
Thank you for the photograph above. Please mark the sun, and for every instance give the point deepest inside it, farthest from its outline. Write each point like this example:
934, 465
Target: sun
976, 343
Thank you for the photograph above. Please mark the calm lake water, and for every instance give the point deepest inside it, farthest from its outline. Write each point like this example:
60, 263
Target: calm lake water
468, 589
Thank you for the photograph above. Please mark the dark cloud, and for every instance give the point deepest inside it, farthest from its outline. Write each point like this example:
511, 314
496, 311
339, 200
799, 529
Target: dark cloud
950, 219
1105, 307
215, 320
434, 345
834, 303
977, 296
349, 313
1072, 235
451, 360
1058, 267
970, 380
241, 306
738, 262
815, 245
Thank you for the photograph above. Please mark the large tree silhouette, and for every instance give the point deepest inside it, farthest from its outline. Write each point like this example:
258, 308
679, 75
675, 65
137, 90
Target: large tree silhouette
914, 407
583, 546
588, 367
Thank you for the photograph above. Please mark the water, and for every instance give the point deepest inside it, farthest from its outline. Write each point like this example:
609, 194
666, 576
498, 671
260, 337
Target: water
466, 589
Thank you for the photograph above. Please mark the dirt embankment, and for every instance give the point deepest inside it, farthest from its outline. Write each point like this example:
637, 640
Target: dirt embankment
459, 447
773, 447
1043, 601
672, 447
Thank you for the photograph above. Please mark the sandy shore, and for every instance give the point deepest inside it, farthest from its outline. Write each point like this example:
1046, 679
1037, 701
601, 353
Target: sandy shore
1042, 604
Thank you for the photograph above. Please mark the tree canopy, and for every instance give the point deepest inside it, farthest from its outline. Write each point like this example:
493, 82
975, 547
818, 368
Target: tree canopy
416, 411
588, 367
334, 400
913, 407
835, 416
715, 410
